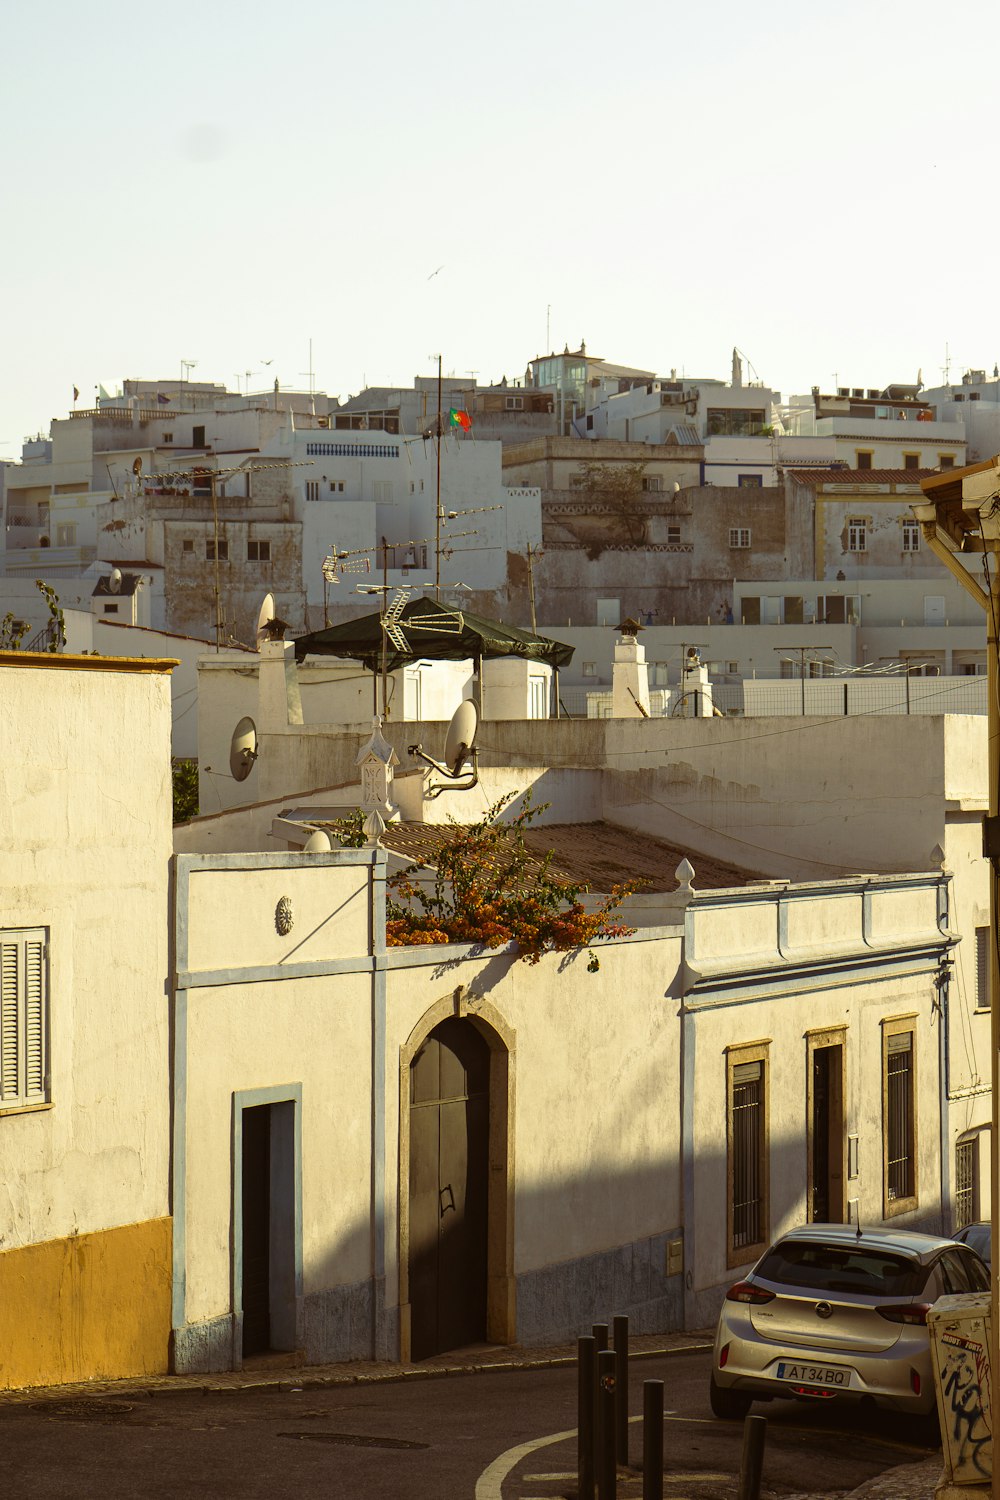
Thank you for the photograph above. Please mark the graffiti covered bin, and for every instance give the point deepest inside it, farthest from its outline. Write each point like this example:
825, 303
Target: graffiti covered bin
959, 1329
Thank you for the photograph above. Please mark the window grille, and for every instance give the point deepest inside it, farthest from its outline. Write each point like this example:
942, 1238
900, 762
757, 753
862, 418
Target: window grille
898, 1104
747, 1135
965, 1182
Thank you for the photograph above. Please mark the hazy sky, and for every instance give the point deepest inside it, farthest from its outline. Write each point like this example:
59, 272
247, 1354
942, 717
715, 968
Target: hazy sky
222, 181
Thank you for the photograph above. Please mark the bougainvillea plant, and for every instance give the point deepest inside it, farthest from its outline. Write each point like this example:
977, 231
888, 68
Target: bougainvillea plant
489, 888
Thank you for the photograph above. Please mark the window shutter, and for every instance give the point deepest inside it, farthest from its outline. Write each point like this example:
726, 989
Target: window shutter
10, 1073
34, 1020
23, 1018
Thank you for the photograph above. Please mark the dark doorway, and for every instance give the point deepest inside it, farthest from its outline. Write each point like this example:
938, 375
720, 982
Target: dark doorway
267, 1195
827, 1163
449, 1172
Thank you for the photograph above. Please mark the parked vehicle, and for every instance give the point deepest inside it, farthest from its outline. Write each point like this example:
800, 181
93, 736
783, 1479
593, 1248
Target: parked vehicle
834, 1312
978, 1236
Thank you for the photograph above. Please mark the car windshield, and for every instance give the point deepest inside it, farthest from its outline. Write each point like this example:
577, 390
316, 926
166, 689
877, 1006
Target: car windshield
842, 1268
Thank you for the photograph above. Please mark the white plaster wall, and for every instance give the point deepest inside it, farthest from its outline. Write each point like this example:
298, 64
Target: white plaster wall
316, 1032
226, 931
596, 1165
111, 639
861, 1009
785, 797
84, 846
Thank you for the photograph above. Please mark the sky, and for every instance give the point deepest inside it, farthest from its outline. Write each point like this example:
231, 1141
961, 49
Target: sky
225, 182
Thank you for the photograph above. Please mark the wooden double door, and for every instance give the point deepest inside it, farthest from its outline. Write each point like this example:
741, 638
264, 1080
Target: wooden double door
449, 1189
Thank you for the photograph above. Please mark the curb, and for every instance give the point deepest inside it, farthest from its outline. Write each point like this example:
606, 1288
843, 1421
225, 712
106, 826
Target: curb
186, 1385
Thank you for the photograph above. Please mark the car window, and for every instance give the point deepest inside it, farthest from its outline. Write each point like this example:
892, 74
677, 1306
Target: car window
934, 1287
979, 1277
978, 1236
842, 1268
954, 1272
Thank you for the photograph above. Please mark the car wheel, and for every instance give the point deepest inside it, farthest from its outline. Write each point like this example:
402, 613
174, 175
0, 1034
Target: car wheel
730, 1405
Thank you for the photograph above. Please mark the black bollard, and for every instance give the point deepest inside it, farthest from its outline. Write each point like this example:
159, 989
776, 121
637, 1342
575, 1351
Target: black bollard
586, 1376
754, 1434
600, 1332
606, 1473
621, 1389
652, 1440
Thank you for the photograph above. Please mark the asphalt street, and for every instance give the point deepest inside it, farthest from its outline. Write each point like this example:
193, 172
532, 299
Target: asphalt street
472, 1437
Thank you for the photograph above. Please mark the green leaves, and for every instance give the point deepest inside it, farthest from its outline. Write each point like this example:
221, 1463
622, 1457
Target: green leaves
489, 888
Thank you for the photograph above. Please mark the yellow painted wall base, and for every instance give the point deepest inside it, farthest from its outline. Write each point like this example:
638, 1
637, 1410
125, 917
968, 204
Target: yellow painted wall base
92, 1307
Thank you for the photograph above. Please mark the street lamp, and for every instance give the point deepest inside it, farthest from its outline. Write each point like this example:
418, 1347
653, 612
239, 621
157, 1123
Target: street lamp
960, 517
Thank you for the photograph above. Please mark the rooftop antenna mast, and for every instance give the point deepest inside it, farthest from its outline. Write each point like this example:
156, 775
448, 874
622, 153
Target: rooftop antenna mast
437, 503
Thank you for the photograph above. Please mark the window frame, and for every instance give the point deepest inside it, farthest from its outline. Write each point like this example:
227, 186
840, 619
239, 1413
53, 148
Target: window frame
736, 535
29, 1097
210, 549
910, 536
736, 1057
857, 533
259, 542
893, 1027
911, 461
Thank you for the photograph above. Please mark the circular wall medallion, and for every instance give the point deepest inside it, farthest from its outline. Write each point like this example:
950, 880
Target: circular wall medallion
283, 919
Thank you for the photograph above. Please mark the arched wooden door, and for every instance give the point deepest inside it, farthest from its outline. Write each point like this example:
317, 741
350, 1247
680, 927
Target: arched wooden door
449, 1189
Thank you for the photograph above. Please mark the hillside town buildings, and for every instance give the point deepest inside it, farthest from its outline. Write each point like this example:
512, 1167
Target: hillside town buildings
227, 1098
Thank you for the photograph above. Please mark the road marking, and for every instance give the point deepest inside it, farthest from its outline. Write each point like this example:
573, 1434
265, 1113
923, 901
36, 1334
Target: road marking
489, 1485
543, 1478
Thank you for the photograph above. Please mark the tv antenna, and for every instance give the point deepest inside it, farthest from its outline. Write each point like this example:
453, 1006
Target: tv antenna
461, 765
337, 563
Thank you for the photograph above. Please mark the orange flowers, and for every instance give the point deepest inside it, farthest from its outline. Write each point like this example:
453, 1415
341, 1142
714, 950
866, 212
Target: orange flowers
489, 889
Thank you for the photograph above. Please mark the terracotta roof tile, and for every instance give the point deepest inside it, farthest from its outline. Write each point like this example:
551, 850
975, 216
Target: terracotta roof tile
859, 476
597, 855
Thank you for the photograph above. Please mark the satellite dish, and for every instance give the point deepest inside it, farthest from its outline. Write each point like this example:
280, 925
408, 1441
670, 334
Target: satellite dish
265, 617
459, 765
115, 580
243, 750
318, 842
461, 736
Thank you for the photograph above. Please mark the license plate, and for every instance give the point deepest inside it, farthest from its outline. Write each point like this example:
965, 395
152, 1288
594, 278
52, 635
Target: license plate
827, 1375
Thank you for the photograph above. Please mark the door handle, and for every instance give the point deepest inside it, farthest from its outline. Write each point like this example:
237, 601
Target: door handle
451, 1204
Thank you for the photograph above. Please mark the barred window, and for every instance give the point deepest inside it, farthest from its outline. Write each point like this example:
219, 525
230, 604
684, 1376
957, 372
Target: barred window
965, 1181
747, 1139
899, 1125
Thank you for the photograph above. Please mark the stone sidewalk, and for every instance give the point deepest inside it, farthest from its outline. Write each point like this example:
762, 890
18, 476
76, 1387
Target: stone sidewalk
281, 1371
907, 1482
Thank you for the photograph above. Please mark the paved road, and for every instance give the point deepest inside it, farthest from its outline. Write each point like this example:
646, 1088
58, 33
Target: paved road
433, 1439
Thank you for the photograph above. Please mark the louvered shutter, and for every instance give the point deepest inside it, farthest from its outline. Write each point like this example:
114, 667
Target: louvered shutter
33, 1084
10, 1031
23, 1019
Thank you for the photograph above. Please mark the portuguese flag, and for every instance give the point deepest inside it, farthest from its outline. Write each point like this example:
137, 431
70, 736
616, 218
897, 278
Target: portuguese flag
459, 419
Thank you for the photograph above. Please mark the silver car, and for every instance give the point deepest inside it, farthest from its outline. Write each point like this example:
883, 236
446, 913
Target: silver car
835, 1312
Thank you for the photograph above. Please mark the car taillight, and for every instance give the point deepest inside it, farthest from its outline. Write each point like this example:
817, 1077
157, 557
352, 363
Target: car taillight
914, 1381
745, 1291
905, 1312
723, 1356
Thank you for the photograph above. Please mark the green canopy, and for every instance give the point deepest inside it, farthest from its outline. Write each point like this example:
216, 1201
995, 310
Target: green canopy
432, 631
